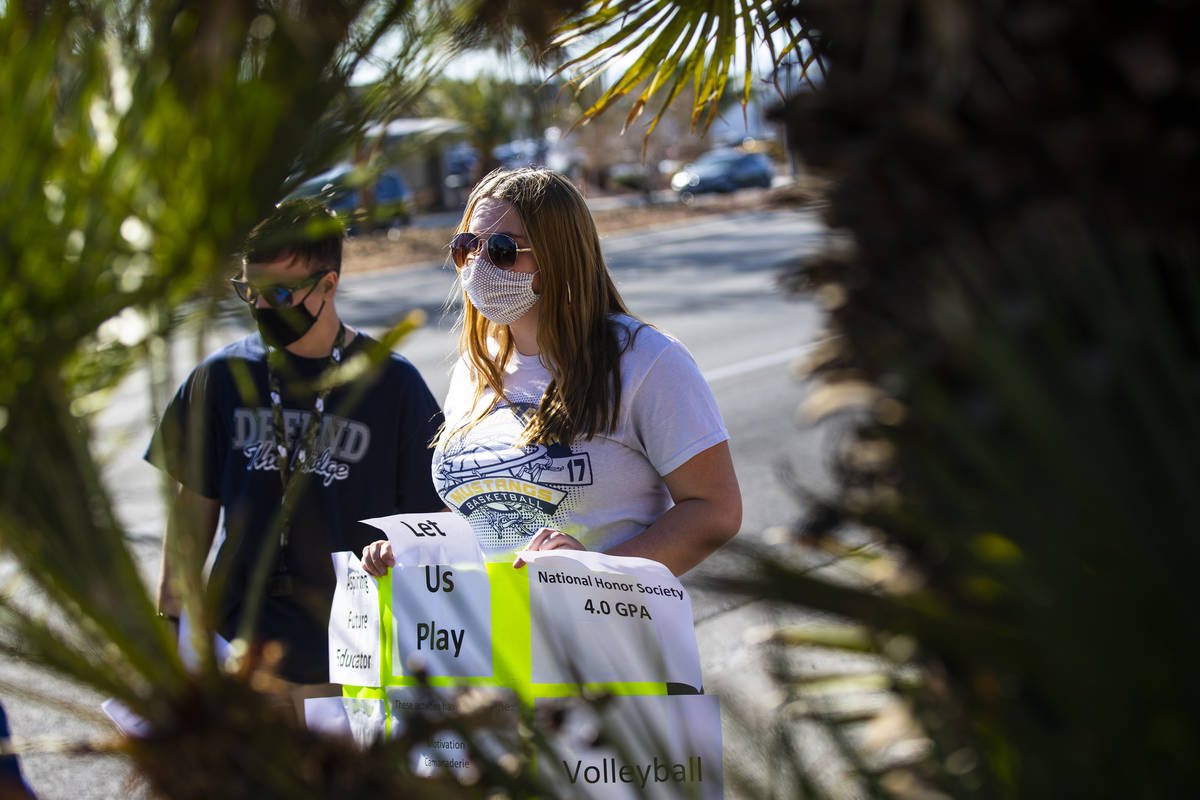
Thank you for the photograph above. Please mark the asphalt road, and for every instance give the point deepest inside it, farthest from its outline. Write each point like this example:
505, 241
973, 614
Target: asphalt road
712, 283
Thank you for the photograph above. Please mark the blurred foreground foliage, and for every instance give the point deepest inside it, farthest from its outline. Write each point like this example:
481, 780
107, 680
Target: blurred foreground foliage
1017, 340
1015, 311
142, 140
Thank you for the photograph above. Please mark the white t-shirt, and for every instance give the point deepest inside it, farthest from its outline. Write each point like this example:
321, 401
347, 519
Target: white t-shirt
602, 490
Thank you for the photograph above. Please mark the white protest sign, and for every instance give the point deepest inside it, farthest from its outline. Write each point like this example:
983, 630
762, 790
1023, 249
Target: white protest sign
442, 617
353, 624
420, 539
446, 750
361, 719
568, 618
441, 597
127, 722
187, 651
665, 746
327, 715
599, 618
130, 723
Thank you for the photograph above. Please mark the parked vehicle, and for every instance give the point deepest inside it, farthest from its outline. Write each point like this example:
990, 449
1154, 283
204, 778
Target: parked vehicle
341, 189
521, 153
459, 162
722, 171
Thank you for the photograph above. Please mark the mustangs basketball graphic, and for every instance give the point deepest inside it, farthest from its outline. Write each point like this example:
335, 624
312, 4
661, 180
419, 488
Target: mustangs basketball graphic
508, 492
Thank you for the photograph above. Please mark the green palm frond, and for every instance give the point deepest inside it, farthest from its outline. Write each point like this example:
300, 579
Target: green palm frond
673, 45
132, 167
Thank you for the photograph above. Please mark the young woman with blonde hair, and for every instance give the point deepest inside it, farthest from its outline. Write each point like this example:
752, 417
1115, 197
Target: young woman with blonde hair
569, 423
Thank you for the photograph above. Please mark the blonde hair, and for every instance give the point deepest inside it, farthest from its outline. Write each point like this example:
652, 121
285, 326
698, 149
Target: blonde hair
575, 340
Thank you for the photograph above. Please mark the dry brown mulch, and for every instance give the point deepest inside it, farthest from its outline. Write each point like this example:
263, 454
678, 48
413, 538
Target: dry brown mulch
412, 246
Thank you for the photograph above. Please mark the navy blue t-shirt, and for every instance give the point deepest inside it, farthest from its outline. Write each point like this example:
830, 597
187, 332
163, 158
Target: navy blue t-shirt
371, 459
12, 784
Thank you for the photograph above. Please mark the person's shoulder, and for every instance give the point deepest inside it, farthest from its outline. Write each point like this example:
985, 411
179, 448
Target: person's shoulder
648, 352
396, 366
641, 338
249, 348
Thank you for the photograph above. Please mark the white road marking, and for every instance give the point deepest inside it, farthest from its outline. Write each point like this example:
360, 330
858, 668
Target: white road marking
760, 362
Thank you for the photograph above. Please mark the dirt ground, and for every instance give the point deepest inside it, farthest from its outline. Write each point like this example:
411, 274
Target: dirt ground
414, 245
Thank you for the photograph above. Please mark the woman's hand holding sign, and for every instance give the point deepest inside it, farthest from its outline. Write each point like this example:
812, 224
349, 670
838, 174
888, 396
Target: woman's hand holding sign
377, 557
549, 539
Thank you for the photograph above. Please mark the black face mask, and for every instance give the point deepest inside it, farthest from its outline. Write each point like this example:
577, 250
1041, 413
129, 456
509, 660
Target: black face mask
282, 326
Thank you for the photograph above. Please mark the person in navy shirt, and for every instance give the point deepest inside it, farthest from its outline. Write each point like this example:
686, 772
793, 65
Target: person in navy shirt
12, 784
260, 418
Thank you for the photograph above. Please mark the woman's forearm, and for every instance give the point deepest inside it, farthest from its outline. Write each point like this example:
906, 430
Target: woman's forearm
686, 534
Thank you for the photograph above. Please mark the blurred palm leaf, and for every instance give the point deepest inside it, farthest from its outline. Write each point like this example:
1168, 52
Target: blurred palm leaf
1018, 351
1018, 312
672, 45
141, 142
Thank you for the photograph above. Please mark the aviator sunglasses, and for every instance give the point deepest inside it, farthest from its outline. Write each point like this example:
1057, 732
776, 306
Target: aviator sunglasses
502, 249
276, 296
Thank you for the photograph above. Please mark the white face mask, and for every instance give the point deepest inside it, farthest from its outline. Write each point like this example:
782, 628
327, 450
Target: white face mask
503, 296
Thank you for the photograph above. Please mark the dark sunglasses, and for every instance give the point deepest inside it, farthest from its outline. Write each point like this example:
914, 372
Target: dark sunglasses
276, 296
502, 249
